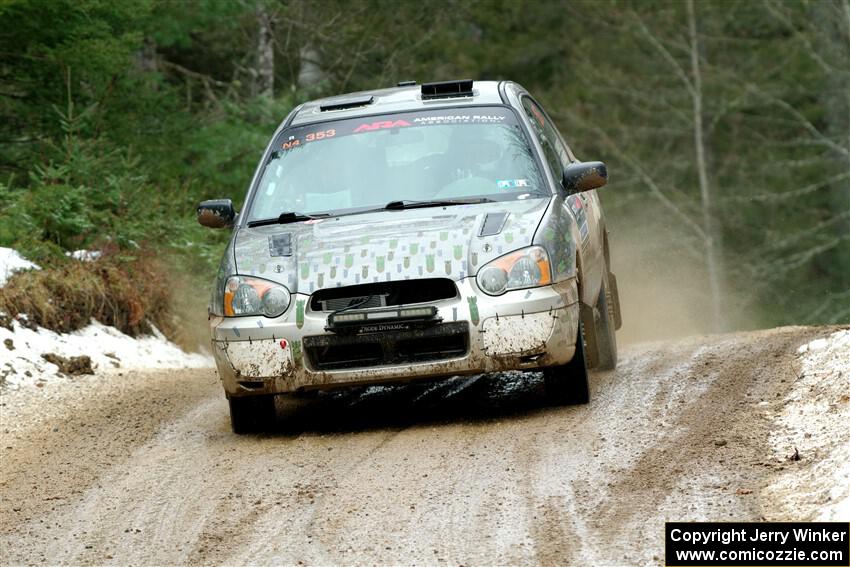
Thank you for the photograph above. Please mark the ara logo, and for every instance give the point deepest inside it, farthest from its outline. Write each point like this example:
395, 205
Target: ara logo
381, 125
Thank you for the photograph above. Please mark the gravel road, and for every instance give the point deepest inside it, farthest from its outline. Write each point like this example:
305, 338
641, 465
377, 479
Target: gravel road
141, 468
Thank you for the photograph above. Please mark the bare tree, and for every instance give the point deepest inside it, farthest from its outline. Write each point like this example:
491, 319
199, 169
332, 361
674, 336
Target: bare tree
264, 79
692, 81
712, 237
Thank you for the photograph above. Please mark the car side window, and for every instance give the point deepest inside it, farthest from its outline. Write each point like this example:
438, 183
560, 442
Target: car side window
554, 150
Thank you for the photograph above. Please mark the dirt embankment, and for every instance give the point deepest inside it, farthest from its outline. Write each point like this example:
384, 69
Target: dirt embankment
142, 468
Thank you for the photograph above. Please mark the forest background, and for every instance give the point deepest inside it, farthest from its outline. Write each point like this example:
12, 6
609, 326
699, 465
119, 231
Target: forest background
725, 126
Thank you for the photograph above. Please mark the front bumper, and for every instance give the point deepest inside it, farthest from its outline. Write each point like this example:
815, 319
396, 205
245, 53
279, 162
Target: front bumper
520, 330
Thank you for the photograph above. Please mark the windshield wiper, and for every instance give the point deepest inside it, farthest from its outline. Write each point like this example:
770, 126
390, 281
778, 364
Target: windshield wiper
391, 206
407, 204
285, 218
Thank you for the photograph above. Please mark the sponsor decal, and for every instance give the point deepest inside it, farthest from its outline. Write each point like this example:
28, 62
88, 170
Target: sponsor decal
460, 119
511, 183
577, 207
382, 327
381, 125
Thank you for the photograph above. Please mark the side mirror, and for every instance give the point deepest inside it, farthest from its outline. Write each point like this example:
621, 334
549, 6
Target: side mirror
584, 176
217, 213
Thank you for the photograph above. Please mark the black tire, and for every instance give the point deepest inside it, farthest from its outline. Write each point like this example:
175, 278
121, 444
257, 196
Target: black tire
568, 383
251, 414
605, 328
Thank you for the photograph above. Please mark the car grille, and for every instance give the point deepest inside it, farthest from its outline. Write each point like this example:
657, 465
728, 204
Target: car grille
338, 352
364, 302
384, 294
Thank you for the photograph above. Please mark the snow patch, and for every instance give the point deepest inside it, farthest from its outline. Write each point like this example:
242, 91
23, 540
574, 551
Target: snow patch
21, 350
22, 346
11, 262
815, 421
84, 255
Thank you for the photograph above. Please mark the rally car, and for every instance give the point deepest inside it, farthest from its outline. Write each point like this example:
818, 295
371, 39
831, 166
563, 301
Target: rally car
417, 232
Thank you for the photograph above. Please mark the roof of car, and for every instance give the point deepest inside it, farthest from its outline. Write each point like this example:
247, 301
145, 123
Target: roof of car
397, 99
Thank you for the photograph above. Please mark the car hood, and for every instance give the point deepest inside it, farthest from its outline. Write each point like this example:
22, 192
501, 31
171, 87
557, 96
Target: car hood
452, 242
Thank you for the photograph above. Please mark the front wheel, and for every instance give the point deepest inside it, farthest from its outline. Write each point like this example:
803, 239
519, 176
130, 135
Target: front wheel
568, 383
251, 414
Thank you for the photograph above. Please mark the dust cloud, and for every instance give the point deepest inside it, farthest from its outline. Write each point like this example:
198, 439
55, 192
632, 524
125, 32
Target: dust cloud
663, 285
190, 295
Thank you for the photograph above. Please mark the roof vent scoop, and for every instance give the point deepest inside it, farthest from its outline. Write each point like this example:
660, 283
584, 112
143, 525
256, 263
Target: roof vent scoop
447, 89
346, 103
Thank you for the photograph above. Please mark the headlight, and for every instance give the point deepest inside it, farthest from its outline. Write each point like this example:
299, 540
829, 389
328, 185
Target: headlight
253, 296
524, 268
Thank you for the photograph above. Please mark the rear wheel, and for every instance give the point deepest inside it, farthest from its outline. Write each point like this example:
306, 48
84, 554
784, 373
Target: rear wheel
568, 384
251, 414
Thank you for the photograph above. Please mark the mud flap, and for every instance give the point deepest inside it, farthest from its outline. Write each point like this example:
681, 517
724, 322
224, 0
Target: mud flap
615, 295
591, 348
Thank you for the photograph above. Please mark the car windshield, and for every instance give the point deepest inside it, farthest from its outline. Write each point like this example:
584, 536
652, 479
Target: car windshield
364, 163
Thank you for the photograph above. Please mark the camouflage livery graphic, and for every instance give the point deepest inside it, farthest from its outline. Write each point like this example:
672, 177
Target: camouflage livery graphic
296, 352
299, 313
392, 250
473, 310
